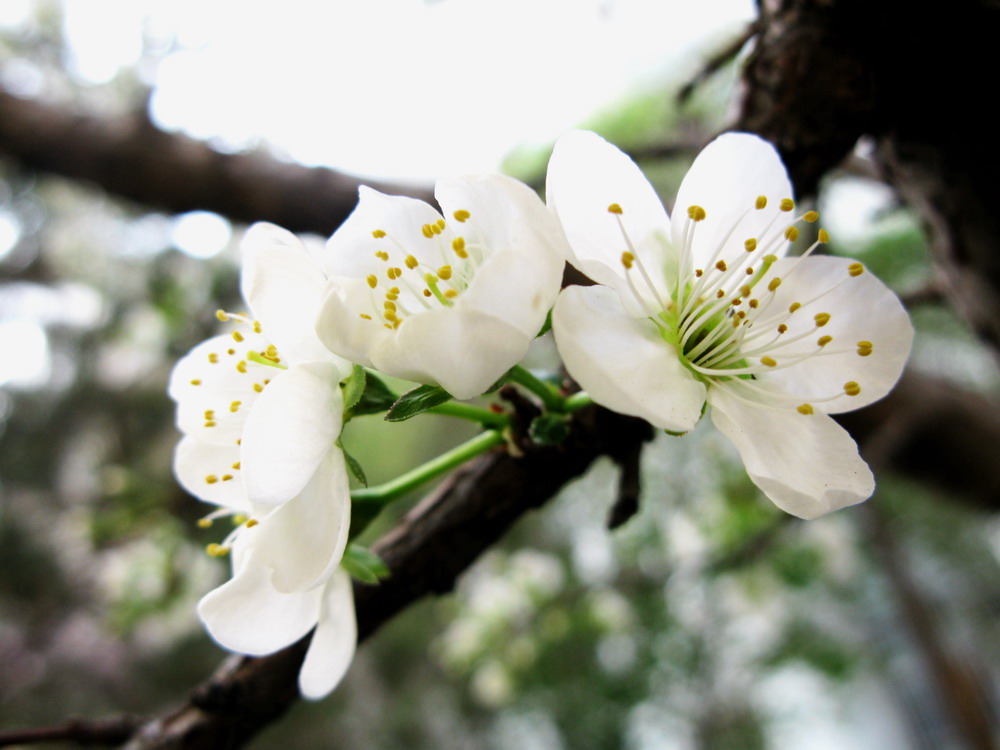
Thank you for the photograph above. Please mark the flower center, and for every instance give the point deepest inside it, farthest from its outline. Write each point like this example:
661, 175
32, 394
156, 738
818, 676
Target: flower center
724, 315
406, 281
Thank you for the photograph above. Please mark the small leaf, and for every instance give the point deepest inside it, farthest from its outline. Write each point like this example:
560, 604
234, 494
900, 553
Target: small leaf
417, 401
354, 387
376, 398
546, 326
364, 564
548, 429
354, 465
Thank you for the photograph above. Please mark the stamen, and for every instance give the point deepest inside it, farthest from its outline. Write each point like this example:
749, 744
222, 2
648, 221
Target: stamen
461, 215
378, 234
614, 208
856, 269
851, 388
787, 204
804, 409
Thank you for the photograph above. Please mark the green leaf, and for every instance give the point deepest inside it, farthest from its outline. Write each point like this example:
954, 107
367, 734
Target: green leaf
548, 429
546, 326
354, 387
364, 564
354, 465
377, 397
417, 401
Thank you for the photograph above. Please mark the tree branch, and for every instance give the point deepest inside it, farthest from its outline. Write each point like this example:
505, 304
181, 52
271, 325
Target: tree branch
130, 157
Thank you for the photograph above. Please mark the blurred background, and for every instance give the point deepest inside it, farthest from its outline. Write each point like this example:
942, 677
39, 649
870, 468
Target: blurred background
709, 621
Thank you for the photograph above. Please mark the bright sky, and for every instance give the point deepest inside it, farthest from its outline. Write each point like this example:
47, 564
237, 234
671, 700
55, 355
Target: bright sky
395, 88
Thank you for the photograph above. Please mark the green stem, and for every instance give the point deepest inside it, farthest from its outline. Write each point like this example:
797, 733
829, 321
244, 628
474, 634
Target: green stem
545, 392
485, 417
384, 493
577, 401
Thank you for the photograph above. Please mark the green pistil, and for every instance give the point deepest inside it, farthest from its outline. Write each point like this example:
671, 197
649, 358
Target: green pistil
260, 360
438, 294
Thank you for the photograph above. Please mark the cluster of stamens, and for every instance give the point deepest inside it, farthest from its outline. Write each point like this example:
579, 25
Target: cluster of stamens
405, 285
723, 317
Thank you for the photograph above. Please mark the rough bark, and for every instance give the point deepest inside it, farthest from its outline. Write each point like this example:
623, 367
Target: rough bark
130, 157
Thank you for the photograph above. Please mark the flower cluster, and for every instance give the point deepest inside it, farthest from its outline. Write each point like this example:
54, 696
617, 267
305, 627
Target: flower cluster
702, 310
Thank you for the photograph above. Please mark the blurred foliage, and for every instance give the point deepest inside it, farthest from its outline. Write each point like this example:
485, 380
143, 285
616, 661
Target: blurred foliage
708, 621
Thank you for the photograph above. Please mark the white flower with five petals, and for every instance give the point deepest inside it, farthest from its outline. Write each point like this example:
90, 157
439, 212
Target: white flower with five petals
451, 302
706, 307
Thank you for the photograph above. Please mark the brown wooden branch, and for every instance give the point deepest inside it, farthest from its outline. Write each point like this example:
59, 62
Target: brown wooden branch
426, 552
110, 731
130, 157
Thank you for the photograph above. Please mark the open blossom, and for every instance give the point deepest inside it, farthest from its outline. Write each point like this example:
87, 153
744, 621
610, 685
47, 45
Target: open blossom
261, 410
450, 300
706, 307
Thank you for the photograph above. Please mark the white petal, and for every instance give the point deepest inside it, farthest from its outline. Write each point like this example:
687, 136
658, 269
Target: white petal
586, 175
334, 642
291, 427
207, 379
211, 473
351, 250
806, 464
622, 362
284, 286
463, 351
340, 326
303, 540
725, 179
249, 616
861, 309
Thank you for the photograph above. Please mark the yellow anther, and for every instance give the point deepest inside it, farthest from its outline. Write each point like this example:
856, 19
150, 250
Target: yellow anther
737, 301
761, 202
791, 234
824, 236
271, 352
699, 273
720, 294
749, 270
774, 284
450, 293
227, 477
378, 234
794, 306
696, 213
811, 216
230, 352
745, 290
851, 388
824, 340
750, 245
259, 386
721, 265
204, 523
235, 406
252, 522
237, 336
427, 231
196, 381
209, 413
427, 293
236, 465
753, 304
444, 272
741, 314
864, 348
614, 208
210, 424
782, 328
821, 319
256, 326
390, 306
241, 365
856, 269
627, 259
222, 315
394, 273
411, 262
391, 316
213, 357
217, 550
372, 280
382, 255
461, 215
211, 479
439, 224
787, 204
768, 361
458, 245
804, 409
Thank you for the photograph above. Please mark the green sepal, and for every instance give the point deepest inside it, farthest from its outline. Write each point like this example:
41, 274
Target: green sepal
417, 401
364, 565
354, 466
546, 326
548, 429
354, 387
675, 434
377, 397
